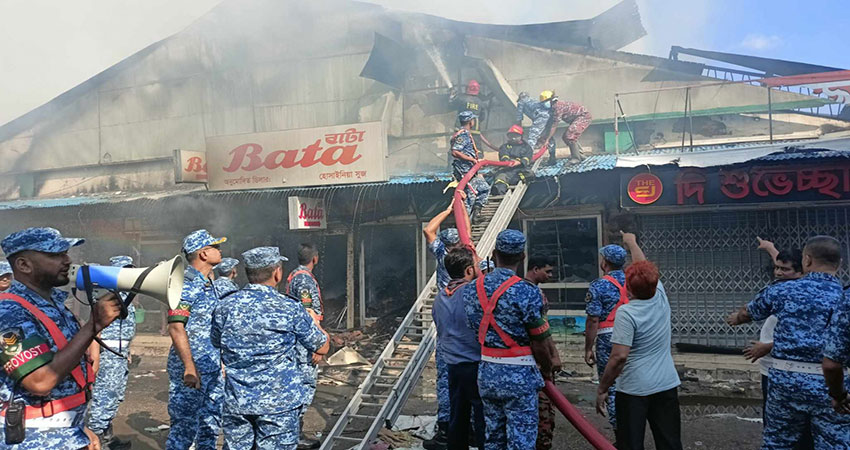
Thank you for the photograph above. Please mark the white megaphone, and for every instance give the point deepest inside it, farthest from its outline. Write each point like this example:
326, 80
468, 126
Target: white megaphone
163, 281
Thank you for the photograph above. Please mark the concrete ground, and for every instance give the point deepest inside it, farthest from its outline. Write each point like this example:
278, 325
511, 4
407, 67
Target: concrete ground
707, 422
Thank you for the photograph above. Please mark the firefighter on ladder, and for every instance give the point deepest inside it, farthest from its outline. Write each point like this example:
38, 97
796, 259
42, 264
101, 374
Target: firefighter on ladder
515, 338
604, 297
47, 377
302, 284
514, 149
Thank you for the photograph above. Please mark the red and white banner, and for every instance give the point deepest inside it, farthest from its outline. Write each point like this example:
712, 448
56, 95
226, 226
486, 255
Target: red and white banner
190, 166
307, 213
307, 157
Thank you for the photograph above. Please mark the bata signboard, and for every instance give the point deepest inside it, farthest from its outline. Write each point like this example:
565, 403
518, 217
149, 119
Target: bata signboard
307, 157
307, 214
190, 166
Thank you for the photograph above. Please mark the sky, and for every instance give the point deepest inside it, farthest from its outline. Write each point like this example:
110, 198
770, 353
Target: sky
50, 46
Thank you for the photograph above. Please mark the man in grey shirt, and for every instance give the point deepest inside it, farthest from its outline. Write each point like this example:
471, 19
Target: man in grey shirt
641, 362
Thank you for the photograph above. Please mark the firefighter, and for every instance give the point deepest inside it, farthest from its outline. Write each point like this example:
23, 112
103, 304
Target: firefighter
539, 113
577, 118
465, 154
517, 150
473, 101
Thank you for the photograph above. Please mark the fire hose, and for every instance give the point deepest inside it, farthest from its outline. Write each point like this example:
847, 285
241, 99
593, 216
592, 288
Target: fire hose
591, 434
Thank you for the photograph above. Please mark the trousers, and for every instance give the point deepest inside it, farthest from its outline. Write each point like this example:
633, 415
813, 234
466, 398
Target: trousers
261, 432
603, 353
546, 422
661, 410
195, 413
509, 396
806, 442
465, 403
108, 391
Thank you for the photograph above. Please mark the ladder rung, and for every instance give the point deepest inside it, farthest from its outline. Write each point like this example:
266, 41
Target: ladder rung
362, 416
414, 327
383, 385
346, 438
378, 396
397, 359
371, 405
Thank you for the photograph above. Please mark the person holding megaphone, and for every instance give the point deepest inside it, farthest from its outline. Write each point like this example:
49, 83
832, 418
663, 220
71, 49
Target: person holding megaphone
44, 387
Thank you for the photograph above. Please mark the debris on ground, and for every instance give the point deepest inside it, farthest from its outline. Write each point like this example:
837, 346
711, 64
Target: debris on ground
422, 427
157, 429
347, 356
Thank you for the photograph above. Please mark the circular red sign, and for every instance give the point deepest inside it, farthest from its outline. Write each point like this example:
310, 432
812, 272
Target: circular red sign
645, 188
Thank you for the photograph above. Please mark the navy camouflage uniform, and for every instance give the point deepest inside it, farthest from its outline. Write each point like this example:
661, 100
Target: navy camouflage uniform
111, 383
602, 297
803, 308
509, 391
25, 339
258, 331
445, 239
302, 286
538, 112
195, 413
223, 284
477, 190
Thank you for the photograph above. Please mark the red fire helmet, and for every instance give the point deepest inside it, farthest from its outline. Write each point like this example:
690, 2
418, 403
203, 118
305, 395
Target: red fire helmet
515, 129
473, 88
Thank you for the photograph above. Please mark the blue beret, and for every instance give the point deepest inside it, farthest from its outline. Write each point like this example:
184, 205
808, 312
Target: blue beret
5, 268
510, 242
226, 266
449, 236
260, 257
199, 239
47, 240
121, 261
614, 254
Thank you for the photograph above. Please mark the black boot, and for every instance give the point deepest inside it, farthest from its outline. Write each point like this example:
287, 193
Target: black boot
551, 161
575, 153
440, 441
476, 215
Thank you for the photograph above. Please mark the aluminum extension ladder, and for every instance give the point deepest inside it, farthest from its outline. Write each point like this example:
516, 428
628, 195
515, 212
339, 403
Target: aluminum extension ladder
381, 396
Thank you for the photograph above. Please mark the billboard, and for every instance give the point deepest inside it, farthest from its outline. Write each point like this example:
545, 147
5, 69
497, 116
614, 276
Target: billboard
307, 213
190, 166
342, 154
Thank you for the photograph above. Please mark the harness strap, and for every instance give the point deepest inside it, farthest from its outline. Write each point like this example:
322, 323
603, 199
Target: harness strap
488, 320
624, 299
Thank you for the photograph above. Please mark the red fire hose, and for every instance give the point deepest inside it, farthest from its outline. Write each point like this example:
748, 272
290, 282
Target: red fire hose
593, 436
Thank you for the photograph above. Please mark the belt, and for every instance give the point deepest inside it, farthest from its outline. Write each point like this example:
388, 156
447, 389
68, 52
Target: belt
525, 360
52, 414
115, 343
606, 330
799, 367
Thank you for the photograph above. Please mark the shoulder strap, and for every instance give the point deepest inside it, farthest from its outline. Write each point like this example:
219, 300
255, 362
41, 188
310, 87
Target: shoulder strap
624, 299
302, 272
54, 331
489, 305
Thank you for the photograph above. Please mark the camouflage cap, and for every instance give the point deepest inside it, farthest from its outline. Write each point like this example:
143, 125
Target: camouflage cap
5, 268
199, 239
121, 261
46, 239
466, 116
486, 265
510, 242
260, 257
449, 236
614, 254
226, 266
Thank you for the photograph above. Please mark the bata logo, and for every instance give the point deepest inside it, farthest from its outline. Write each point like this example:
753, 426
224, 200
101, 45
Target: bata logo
316, 213
195, 164
24, 357
250, 157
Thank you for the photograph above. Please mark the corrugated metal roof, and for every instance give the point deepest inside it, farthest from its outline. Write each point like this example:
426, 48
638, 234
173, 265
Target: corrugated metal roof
93, 199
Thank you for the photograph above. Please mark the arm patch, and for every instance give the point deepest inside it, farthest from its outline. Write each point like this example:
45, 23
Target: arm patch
180, 314
21, 356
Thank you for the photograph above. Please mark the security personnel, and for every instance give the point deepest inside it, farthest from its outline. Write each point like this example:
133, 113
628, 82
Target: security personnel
803, 308
45, 384
538, 112
225, 273
836, 356
257, 330
577, 118
5, 276
302, 284
604, 296
514, 336
111, 382
194, 365
517, 150
465, 154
